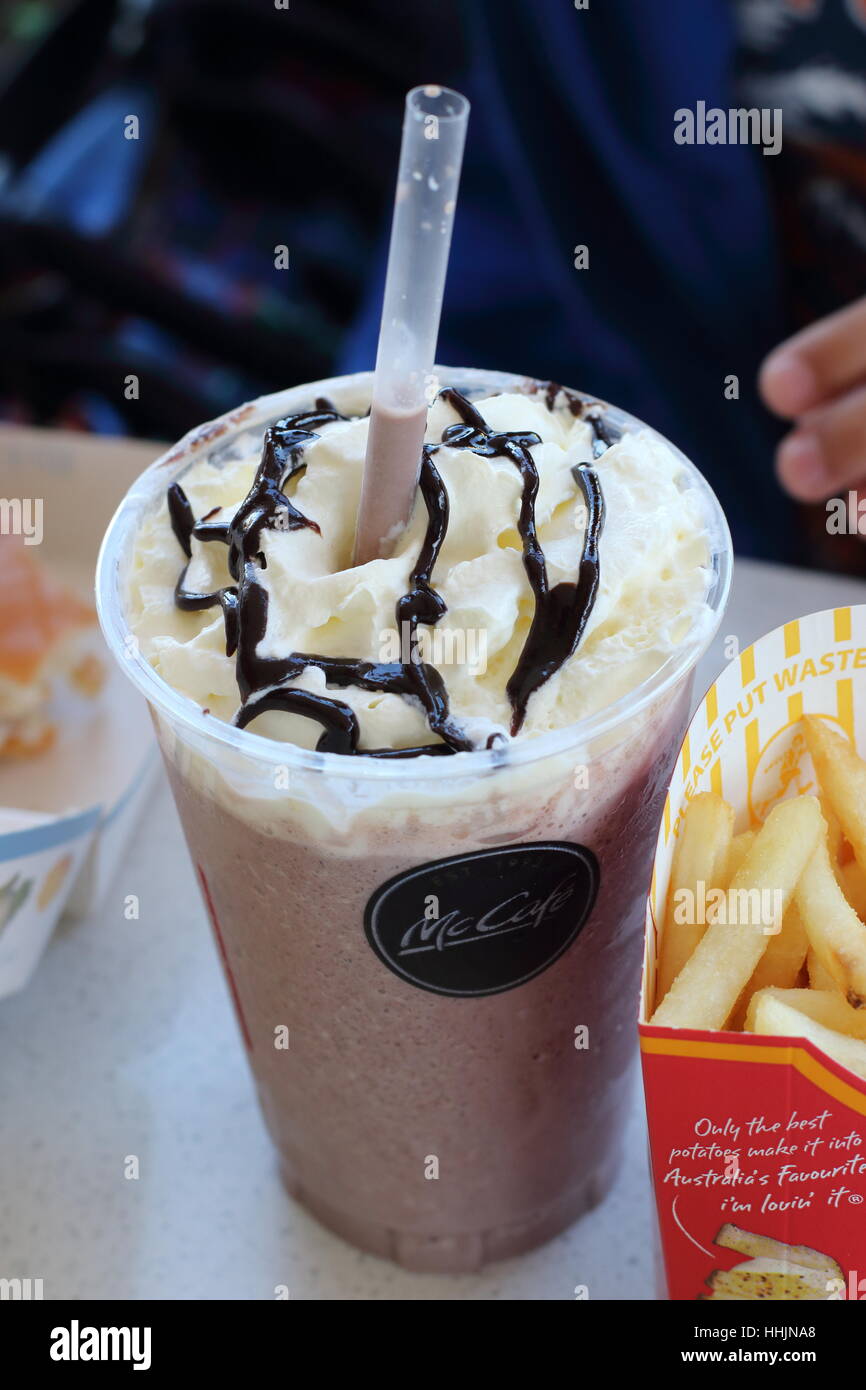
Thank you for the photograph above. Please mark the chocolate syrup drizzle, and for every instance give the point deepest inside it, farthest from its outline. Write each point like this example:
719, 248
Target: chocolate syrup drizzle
557, 625
605, 433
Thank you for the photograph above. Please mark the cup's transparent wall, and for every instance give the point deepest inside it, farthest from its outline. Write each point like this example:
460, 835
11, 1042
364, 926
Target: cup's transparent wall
441, 1131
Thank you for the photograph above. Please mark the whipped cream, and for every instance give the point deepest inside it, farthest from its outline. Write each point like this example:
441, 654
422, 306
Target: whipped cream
653, 580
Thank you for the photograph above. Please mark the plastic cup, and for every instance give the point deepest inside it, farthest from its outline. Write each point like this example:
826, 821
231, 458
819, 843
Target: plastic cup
434, 961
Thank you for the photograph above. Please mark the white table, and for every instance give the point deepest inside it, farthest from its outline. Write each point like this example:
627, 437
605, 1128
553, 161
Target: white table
125, 1044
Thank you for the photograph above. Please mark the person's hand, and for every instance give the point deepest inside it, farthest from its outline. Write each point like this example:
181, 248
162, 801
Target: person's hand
817, 379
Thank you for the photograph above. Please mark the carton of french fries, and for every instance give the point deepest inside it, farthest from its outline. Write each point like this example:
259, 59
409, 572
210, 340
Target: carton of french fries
753, 1007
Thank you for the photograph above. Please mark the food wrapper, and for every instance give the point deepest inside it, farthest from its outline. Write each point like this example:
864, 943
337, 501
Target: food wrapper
758, 1144
41, 857
68, 814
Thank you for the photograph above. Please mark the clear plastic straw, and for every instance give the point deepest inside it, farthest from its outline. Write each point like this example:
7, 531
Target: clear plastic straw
434, 131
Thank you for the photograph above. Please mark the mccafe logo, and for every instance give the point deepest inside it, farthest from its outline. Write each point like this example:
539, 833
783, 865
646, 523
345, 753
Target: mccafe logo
481, 923
518, 912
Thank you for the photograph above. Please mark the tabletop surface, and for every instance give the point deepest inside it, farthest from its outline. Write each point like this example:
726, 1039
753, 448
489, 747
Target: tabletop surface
124, 1044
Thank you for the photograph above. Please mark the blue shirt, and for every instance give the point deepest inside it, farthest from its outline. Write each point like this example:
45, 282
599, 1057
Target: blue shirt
571, 143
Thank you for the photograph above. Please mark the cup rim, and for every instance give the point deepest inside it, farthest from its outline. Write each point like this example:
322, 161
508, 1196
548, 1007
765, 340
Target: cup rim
182, 710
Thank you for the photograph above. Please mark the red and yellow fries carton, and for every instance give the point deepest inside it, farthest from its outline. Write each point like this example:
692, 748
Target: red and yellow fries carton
758, 1143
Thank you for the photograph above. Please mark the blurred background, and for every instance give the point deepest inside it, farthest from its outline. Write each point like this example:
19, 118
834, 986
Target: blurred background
155, 155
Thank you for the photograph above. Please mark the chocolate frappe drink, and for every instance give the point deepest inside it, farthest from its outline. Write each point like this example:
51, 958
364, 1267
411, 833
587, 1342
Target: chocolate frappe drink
422, 793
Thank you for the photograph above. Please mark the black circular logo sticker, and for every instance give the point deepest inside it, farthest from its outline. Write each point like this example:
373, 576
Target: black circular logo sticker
484, 922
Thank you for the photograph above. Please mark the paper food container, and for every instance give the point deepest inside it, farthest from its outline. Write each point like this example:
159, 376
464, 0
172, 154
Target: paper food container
66, 815
793, 1118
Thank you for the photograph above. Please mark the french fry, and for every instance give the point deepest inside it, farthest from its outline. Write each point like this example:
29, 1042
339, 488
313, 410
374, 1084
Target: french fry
740, 846
709, 984
836, 934
773, 1281
836, 842
700, 857
842, 775
780, 965
774, 1017
853, 883
819, 978
756, 1246
826, 1007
